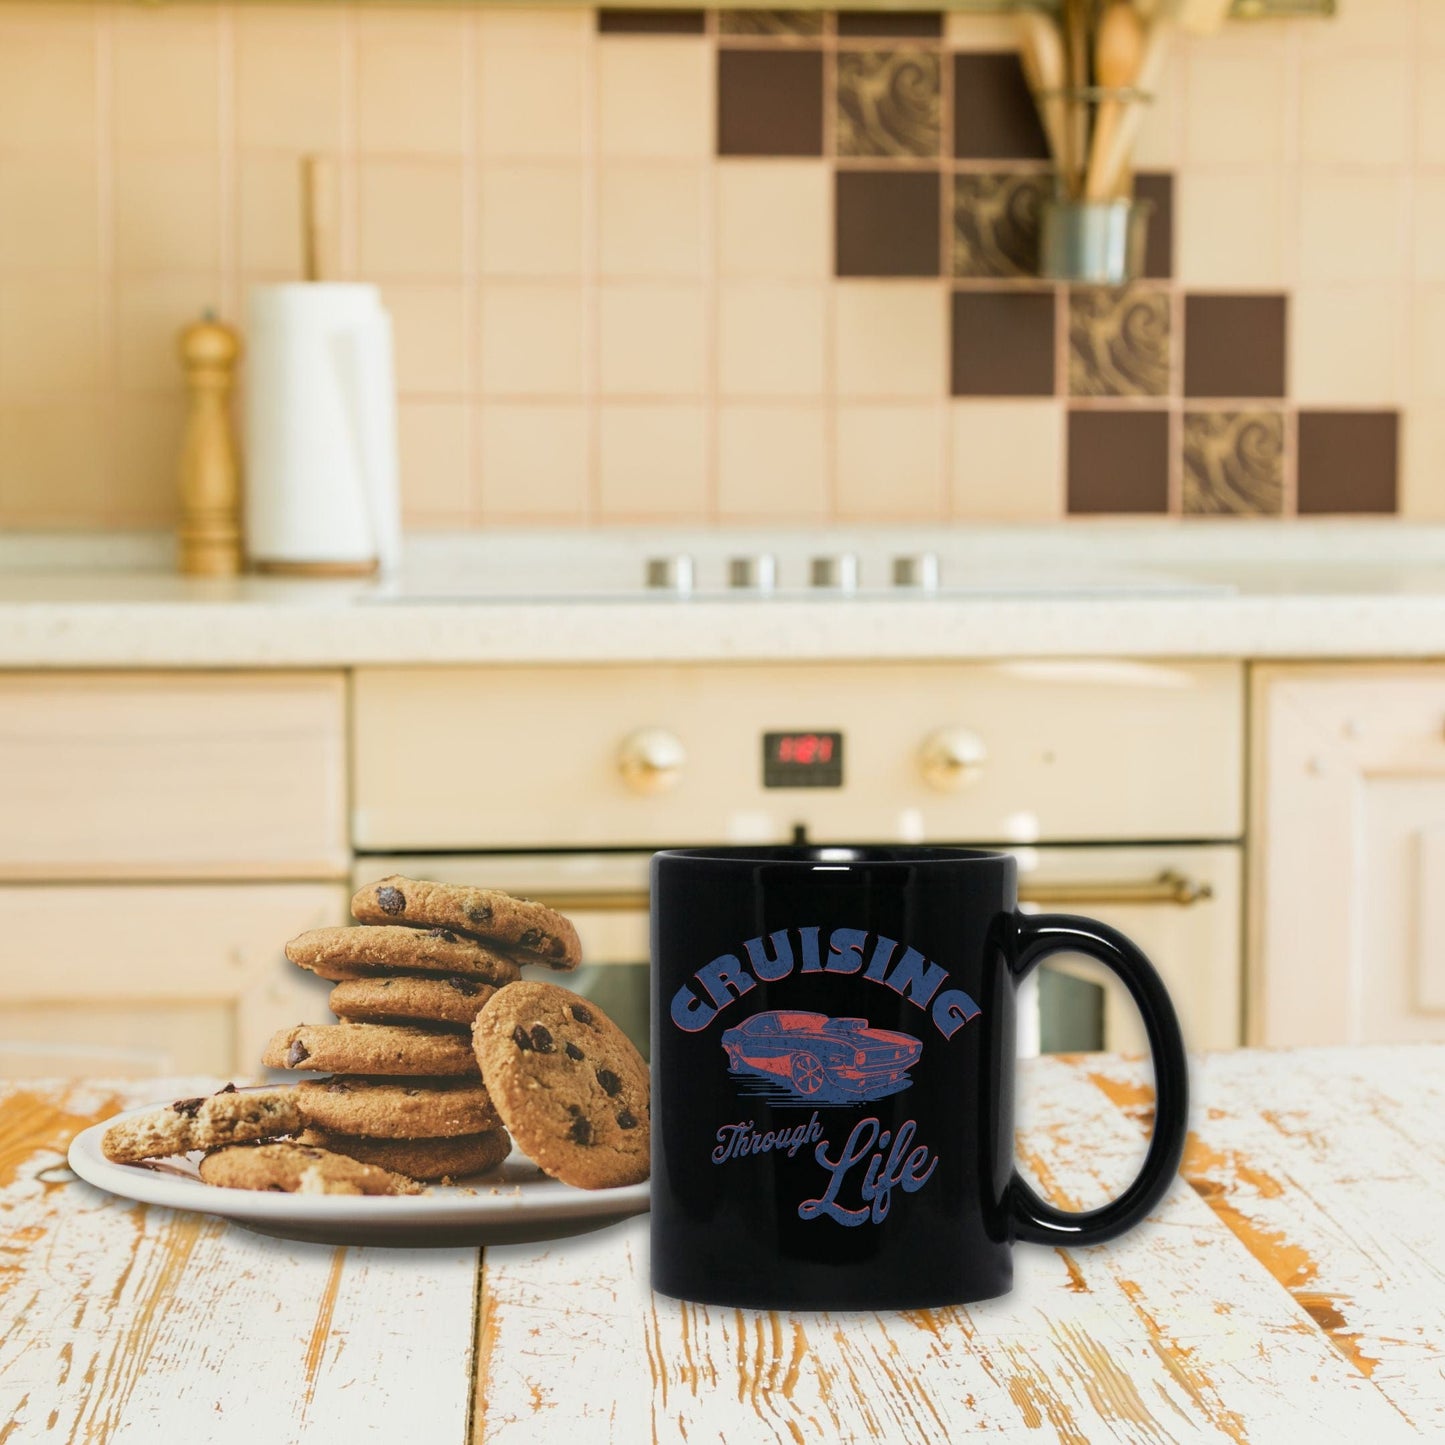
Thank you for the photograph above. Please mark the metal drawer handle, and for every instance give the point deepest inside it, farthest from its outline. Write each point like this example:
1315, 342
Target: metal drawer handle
1169, 887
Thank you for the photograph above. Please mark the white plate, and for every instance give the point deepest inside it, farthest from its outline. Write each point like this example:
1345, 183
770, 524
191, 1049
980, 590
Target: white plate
513, 1204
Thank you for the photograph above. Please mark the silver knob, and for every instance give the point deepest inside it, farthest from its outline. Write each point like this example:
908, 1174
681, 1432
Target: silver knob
917, 569
651, 760
670, 574
753, 574
838, 572
952, 758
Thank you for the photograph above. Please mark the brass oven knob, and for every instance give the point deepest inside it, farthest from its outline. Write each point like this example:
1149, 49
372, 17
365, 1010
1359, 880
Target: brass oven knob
952, 758
651, 760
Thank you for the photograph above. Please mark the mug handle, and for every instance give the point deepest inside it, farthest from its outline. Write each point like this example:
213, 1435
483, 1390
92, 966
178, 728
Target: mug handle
1038, 1222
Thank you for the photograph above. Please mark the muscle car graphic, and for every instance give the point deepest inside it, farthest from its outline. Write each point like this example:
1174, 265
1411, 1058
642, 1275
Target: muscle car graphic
818, 1059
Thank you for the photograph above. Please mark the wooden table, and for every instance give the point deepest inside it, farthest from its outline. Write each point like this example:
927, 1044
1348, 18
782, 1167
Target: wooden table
1291, 1288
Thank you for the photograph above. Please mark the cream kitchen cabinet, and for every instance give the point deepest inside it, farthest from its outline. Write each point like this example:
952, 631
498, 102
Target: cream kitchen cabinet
1347, 896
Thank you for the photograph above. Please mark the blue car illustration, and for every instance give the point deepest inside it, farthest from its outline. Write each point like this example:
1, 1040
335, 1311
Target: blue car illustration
814, 1057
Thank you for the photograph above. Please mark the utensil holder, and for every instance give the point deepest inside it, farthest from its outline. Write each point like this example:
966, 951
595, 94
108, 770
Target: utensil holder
1097, 243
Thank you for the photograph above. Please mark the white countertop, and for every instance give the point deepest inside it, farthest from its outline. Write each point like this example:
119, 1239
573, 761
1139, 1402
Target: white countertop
1227, 590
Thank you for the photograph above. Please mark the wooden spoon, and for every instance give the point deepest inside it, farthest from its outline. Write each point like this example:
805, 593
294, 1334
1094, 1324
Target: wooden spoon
1041, 53
1118, 54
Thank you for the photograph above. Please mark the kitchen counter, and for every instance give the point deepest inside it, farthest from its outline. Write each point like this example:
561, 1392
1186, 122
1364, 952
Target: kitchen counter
1353, 590
1288, 1288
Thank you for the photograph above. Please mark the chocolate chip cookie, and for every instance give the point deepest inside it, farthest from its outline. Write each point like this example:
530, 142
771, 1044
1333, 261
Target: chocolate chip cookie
233, 1116
453, 1158
299, 1168
534, 932
568, 1083
362, 952
349, 1048
453, 1002
397, 1108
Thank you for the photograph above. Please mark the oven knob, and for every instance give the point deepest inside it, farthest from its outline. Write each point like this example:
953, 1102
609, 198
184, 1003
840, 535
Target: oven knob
952, 758
651, 760
837, 573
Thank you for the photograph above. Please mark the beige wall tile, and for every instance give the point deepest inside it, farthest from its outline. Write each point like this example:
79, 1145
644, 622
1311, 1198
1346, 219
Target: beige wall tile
52, 335
772, 464
1431, 23
532, 219
434, 446
1430, 109
774, 219
290, 69
771, 338
1361, 25
1348, 346
413, 79
1428, 243
432, 337
144, 491
1234, 107
49, 214
890, 339
1427, 325
654, 97
268, 213
533, 339
167, 213
532, 102
651, 219
964, 31
1007, 460
532, 25
890, 462
652, 462
651, 339
48, 82
535, 462
165, 77
150, 312
1352, 227
411, 219
1422, 463
1229, 228
1160, 142
52, 463
1354, 110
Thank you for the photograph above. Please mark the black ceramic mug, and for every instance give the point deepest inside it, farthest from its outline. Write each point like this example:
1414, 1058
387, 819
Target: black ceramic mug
833, 1076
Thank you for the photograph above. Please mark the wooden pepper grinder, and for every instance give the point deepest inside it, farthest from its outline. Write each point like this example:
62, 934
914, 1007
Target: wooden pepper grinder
210, 527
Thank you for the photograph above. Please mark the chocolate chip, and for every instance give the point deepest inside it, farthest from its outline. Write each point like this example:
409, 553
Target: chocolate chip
387, 982
573, 1052
337, 1086
520, 1038
229, 1089
479, 912
574, 1109
466, 986
276, 1188
297, 1053
611, 1084
312, 1153
391, 901
626, 1120
542, 1040
582, 1015
531, 938
188, 1107
253, 1116
580, 1132
445, 933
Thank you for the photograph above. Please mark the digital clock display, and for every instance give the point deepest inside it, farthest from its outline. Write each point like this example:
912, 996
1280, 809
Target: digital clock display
803, 760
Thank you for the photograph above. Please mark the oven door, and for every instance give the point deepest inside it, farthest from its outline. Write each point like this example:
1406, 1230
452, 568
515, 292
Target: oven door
1180, 903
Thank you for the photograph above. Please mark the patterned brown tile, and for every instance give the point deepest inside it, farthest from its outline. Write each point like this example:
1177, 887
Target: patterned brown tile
650, 22
996, 224
888, 23
1234, 346
1118, 461
889, 103
770, 22
1003, 343
1157, 187
770, 103
887, 223
1118, 341
993, 113
1348, 461
1233, 463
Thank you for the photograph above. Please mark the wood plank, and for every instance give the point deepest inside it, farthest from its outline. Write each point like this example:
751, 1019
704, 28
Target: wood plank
1173, 1333
120, 1322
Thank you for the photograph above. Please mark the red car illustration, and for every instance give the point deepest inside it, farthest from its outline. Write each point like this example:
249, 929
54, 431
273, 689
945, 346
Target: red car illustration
820, 1058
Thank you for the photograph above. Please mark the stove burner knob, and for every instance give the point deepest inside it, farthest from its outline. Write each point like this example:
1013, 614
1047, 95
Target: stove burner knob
952, 758
670, 574
753, 574
651, 760
916, 569
838, 573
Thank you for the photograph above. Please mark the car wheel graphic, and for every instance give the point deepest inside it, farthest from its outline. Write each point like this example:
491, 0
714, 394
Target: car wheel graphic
806, 1073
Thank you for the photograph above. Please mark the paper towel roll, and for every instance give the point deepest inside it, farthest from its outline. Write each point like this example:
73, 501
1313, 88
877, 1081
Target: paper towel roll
321, 467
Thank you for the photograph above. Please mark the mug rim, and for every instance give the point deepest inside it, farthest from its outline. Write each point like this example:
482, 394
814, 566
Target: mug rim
813, 855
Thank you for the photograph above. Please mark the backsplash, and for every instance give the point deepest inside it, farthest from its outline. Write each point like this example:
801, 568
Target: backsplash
743, 266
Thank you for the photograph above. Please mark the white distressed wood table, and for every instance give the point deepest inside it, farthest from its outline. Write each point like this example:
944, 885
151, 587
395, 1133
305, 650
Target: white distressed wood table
1290, 1288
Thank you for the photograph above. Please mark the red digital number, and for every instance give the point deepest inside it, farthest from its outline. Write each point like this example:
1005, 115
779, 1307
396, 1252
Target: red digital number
825, 750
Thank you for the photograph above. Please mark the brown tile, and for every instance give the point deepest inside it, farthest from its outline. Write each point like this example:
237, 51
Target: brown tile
1157, 187
650, 22
889, 103
770, 103
1003, 343
779, 23
1118, 461
993, 113
1234, 345
887, 223
927, 23
1233, 463
996, 224
1118, 341
1348, 461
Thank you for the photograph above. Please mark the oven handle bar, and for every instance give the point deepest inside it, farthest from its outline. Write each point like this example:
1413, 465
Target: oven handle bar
1168, 888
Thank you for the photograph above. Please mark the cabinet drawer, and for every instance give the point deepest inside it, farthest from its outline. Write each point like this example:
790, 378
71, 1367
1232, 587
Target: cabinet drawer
180, 776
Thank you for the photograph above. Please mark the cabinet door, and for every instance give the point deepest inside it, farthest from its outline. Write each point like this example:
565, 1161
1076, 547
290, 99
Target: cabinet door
1347, 896
154, 979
